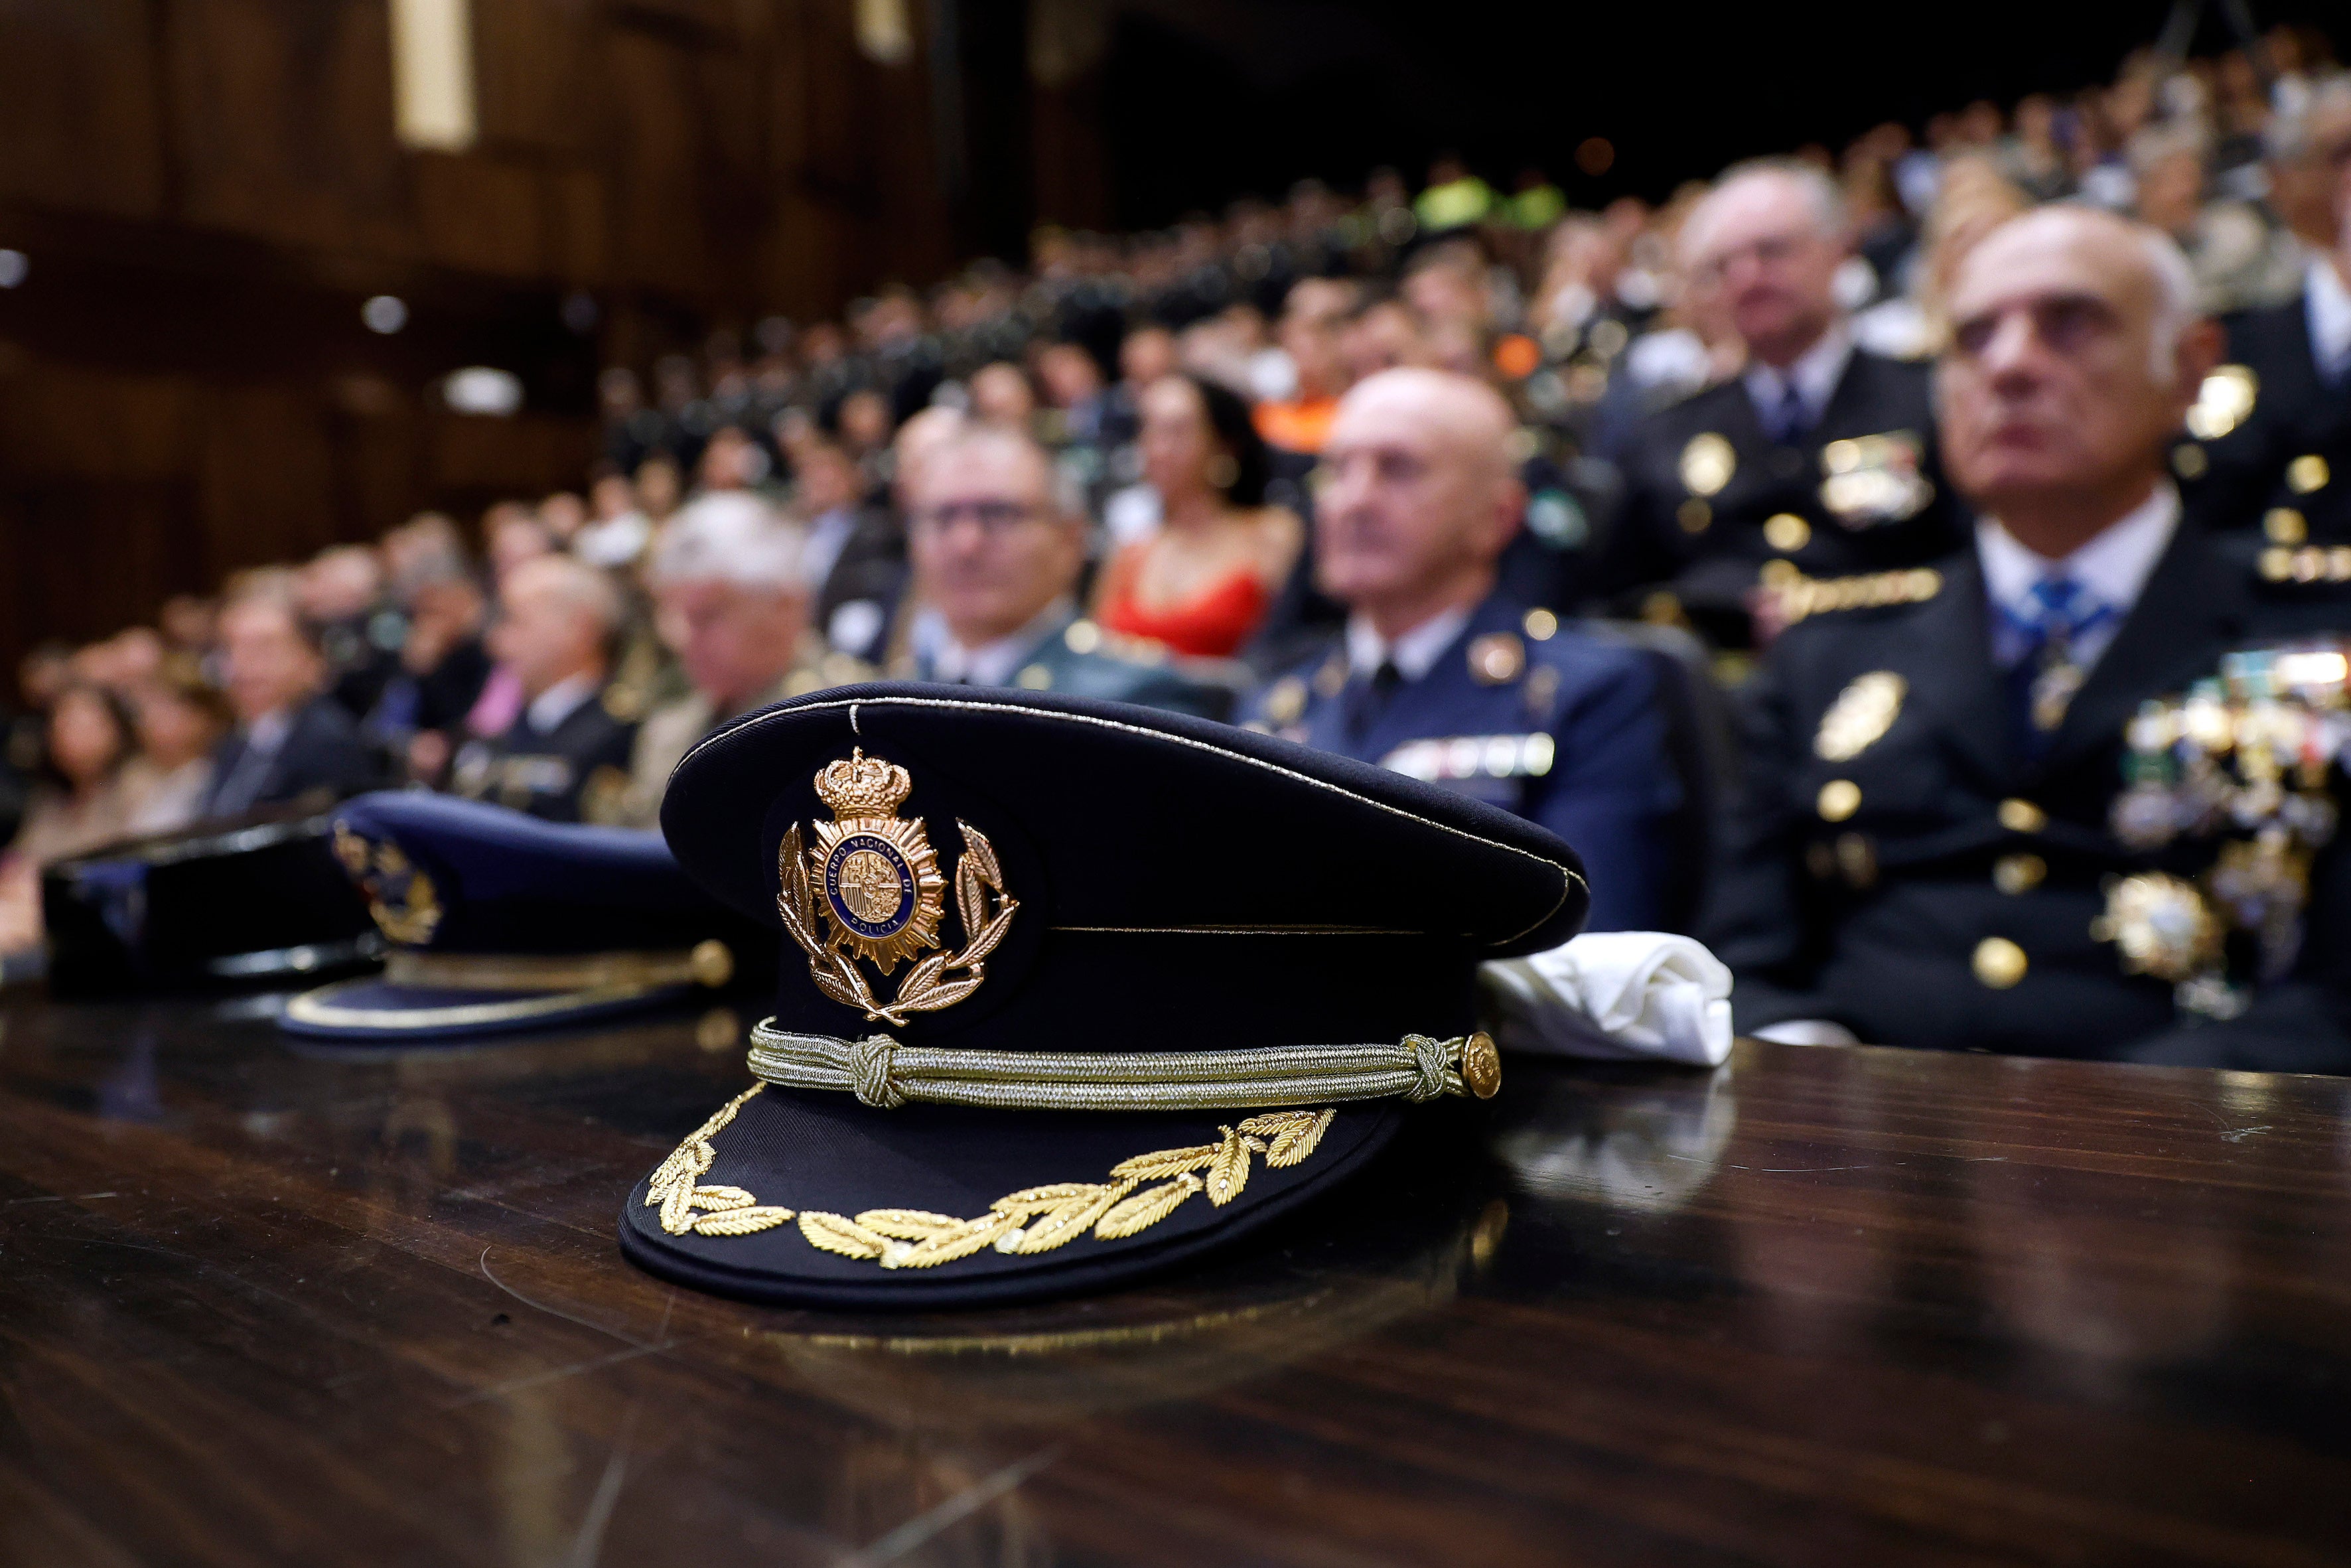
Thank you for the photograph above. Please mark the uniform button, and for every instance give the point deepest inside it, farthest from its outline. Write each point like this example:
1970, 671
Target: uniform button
1694, 516
1839, 799
1998, 962
1786, 532
2018, 873
2306, 473
1541, 625
2284, 525
2021, 816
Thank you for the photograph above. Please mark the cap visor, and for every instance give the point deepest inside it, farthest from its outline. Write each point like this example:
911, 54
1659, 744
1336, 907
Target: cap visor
376, 1010
810, 1199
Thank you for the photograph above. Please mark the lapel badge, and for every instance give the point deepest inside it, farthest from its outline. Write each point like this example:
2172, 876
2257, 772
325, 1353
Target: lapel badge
2223, 402
1708, 464
1871, 480
874, 878
1864, 711
1497, 658
402, 899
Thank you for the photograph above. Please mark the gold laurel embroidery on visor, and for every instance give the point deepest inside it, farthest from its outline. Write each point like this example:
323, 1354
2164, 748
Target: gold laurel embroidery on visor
884, 897
1035, 1219
401, 898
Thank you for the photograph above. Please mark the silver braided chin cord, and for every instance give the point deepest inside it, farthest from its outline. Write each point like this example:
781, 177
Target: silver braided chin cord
885, 1074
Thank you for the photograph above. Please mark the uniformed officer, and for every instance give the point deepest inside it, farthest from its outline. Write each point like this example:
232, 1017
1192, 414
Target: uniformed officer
996, 558
2273, 425
559, 621
1819, 461
1445, 678
1936, 845
733, 588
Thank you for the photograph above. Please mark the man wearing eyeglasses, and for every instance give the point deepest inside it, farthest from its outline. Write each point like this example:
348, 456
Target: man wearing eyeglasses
2077, 796
995, 557
1817, 461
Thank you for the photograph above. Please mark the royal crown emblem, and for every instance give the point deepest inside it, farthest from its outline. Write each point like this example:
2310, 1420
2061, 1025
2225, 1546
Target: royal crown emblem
883, 900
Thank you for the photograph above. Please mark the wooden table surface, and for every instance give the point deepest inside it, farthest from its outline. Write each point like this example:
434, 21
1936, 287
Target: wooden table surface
260, 1303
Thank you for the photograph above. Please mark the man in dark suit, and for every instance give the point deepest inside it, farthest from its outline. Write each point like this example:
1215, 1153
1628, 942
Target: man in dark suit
2274, 424
2033, 800
1441, 674
1818, 461
291, 743
566, 756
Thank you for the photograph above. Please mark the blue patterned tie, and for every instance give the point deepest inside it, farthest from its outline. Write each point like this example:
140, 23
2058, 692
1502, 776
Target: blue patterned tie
2042, 634
1791, 419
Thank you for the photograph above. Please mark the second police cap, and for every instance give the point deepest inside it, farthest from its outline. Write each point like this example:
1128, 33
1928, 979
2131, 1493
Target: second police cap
1069, 991
497, 922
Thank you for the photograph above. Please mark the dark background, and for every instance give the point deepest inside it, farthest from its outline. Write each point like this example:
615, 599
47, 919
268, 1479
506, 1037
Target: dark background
1210, 98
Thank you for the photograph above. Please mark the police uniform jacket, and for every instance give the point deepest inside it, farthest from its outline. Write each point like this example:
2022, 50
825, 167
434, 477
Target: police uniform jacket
1901, 864
1711, 499
1562, 728
562, 774
2260, 420
1077, 658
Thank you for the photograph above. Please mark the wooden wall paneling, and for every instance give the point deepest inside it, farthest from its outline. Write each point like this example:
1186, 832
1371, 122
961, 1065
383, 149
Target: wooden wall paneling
657, 239
484, 214
535, 75
79, 121
265, 472
282, 117
473, 461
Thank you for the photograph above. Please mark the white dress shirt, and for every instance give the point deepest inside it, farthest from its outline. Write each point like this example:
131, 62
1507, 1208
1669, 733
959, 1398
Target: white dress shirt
1815, 375
558, 702
2327, 300
2113, 567
1413, 653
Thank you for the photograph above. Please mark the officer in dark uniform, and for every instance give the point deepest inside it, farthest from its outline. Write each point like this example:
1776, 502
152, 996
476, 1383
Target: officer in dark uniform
567, 753
1443, 677
998, 557
1818, 462
2272, 427
2067, 793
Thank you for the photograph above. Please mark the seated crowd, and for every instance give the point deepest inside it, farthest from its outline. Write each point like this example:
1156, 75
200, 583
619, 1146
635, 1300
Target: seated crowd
1961, 474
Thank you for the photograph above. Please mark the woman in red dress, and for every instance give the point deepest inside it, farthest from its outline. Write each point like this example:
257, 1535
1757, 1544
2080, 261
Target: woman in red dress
1201, 585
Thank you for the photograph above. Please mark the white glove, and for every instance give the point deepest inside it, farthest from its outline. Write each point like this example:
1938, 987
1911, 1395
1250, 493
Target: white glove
1614, 996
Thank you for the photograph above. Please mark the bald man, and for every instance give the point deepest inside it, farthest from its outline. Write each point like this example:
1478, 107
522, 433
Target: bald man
1817, 461
1441, 676
1978, 814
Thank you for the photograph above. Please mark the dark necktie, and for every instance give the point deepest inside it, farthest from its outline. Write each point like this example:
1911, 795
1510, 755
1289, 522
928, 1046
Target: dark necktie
1370, 699
1791, 419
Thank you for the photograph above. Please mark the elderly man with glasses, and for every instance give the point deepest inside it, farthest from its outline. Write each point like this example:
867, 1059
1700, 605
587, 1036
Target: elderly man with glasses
997, 555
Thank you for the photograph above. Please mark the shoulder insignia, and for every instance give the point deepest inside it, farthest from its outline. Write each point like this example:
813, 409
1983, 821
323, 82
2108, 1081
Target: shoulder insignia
1809, 596
1285, 700
1459, 757
1497, 658
1864, 711
2311, 563
2307, 473
2224, 402
1708, 462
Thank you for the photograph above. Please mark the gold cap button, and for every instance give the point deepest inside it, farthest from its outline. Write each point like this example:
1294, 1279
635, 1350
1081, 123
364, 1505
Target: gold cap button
1839, 799
2000, 962
1481, 1065
2021, 816
1787, 532
2018, 873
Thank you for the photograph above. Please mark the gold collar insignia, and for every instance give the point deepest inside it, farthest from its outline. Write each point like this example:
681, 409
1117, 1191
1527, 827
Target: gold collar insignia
400, 897
883, 897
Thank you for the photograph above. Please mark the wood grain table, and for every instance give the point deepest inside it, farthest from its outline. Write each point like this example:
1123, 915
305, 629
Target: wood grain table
262, 1303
